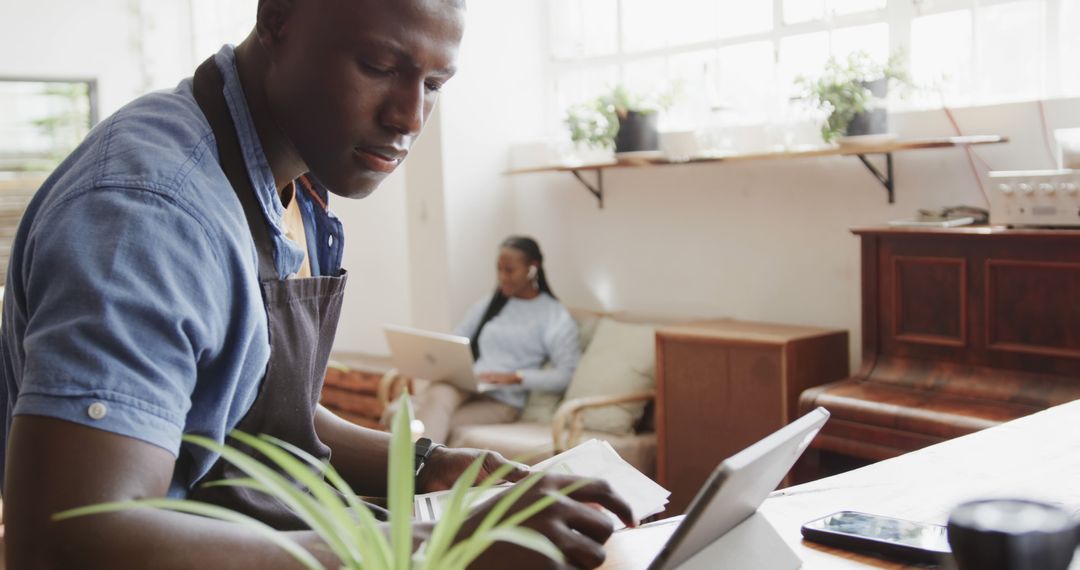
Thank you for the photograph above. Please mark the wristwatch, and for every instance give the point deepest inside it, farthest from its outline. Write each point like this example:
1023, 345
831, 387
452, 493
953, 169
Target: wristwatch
421, 450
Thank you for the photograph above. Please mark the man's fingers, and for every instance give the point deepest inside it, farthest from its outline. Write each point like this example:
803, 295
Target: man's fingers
590, 521
495, 461
600, 492
580, 550
518, 473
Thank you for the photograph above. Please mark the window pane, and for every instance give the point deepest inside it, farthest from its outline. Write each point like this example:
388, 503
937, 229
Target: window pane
1010, 51
691, 21
690, 77
941, 59
644, 24
796, 11
804, 54
42, 122
646, 77
745, 82
1069, 52
583, 28
840, 7
580, 85
872, 39
742, 17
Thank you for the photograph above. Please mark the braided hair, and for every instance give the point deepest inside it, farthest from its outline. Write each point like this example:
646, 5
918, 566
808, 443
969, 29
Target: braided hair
531, 249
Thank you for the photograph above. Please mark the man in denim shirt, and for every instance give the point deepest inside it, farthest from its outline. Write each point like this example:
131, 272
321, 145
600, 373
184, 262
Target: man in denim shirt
134, 315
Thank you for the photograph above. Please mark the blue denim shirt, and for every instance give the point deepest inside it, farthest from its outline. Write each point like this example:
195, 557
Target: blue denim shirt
132, 302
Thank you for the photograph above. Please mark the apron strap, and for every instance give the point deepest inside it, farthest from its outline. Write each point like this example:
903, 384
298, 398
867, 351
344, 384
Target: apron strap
208, 87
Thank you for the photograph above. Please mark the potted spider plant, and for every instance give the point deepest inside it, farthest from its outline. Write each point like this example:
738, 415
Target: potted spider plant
853, 92
619, 119
322, 498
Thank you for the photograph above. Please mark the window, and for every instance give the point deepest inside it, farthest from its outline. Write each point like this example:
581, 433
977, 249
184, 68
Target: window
43, 120
736, 61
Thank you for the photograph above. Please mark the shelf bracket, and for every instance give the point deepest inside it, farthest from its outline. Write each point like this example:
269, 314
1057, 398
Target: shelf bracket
596, 190
886, 179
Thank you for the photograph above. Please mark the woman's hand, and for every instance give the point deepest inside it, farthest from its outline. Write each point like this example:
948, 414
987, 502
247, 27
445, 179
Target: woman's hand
503, 378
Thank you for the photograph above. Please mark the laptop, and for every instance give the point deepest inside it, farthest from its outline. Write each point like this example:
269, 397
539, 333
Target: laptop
736, 489
433, 356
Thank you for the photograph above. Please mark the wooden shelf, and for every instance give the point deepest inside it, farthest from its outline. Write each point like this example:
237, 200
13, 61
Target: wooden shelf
861, 151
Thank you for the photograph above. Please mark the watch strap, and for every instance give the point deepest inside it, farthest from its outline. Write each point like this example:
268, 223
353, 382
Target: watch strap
421, 451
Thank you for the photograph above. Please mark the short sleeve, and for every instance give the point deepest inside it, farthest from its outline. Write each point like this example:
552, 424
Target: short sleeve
123, 298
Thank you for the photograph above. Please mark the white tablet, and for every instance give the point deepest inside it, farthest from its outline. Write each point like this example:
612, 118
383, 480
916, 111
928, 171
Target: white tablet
737, 488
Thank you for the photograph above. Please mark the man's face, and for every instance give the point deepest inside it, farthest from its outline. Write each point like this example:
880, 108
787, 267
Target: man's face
353, 83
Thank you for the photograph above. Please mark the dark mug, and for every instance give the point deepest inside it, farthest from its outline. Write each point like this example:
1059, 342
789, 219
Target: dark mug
1012, 534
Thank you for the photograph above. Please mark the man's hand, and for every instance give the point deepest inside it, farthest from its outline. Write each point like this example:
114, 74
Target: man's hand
574, 524
500, 378
445, 465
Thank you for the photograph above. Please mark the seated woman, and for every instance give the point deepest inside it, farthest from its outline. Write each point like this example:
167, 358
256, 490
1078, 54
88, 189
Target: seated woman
514, 333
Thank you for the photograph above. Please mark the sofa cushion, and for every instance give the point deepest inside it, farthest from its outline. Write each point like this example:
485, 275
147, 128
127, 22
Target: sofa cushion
540, 407
620, 359
531, 443
586, 322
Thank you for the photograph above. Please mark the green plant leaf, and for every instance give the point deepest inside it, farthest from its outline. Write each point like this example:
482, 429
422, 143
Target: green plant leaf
400, 484
282, 489
512, 495
339, 524
468, 550
446, 529
460, 504
372, 540
281, 540
527, 538
524, 514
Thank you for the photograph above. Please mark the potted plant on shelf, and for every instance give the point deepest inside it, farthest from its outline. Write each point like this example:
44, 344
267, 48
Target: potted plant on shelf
620, 119
322, 498
853, 92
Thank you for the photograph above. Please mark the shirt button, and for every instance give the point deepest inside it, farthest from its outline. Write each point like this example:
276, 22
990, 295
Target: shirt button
97, 411
330, 241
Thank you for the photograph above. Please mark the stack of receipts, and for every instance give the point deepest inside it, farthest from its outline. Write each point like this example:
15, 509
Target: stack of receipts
593, 459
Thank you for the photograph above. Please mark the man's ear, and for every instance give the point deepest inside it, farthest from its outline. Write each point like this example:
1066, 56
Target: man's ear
271, 22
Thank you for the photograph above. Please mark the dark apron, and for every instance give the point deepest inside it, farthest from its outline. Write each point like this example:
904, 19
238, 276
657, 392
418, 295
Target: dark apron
302, 317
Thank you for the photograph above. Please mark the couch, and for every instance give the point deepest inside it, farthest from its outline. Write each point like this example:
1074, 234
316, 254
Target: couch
609, 398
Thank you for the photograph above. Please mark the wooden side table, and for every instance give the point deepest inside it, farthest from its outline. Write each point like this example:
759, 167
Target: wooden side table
723, 384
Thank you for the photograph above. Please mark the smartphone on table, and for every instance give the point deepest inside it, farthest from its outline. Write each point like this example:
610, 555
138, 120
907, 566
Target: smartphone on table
891, 537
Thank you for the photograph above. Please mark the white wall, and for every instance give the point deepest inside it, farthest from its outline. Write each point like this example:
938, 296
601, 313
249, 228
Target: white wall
429, 269
496, 99
377, 258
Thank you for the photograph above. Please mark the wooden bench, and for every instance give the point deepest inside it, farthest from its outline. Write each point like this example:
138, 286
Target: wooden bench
963, 329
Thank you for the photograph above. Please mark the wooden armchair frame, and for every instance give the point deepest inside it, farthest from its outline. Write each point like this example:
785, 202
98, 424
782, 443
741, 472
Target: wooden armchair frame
569, 421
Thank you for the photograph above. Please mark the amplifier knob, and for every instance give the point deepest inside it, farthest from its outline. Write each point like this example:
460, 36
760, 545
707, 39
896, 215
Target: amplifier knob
1047, 189
1005, 189
1026, 189
1070, 188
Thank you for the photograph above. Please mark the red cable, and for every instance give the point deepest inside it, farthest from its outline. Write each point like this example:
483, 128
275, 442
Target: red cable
972, 155
1046, 135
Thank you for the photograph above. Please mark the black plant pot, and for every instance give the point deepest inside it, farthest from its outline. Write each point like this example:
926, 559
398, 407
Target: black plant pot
876, 120
637, 132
